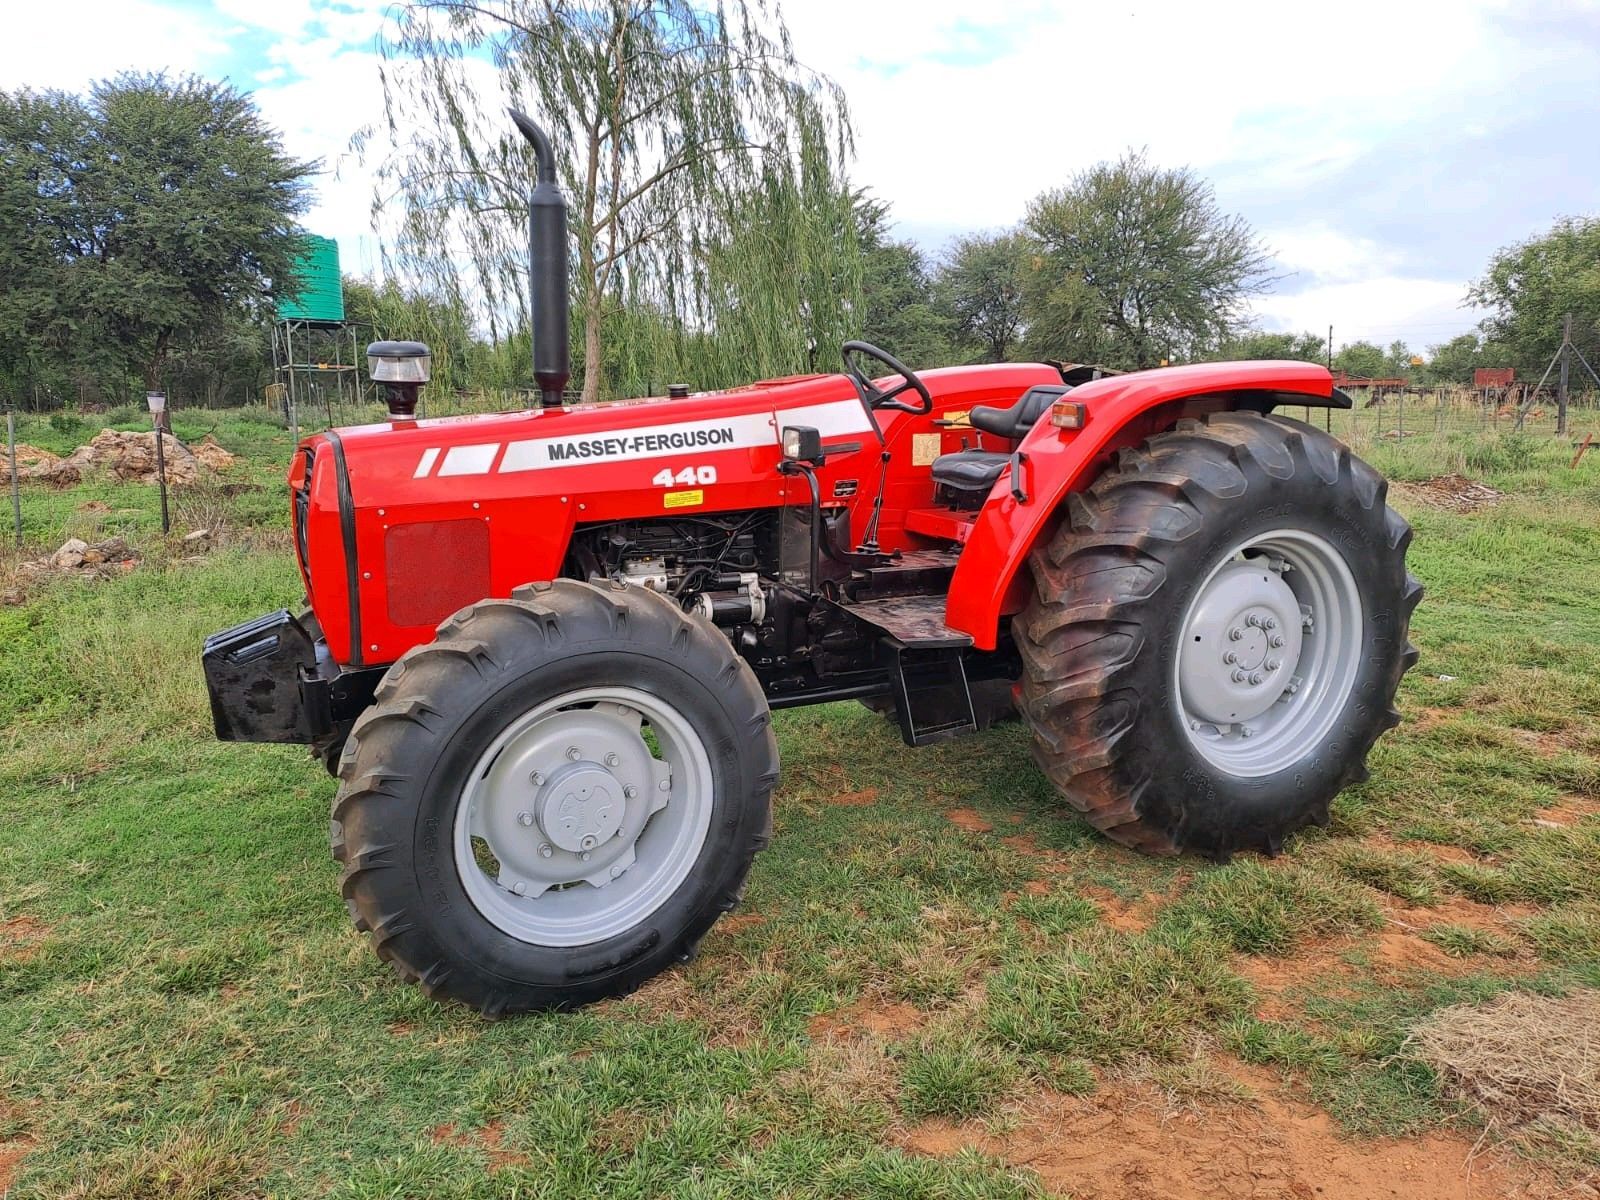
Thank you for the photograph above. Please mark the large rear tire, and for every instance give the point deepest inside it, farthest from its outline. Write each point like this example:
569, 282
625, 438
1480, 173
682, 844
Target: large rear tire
555, 799
1216, 635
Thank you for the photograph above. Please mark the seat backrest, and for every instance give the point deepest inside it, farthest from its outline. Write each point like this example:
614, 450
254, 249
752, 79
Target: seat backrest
1016, 420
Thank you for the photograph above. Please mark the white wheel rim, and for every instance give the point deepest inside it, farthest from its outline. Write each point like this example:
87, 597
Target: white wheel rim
1269, 651
571, 828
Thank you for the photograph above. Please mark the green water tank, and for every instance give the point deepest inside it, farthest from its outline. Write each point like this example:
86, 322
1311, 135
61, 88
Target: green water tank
320, 295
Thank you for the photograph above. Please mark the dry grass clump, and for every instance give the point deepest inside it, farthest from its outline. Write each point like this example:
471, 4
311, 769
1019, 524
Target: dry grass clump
1530, 1063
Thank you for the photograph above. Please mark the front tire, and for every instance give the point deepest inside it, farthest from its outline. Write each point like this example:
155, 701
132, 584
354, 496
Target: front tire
555, 799
1216, 635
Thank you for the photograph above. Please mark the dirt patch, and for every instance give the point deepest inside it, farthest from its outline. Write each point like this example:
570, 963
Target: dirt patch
1118, 913
887, 1020
1458, 910
1567, 812
1442, 853
19, 938
1273, 978
741, 921
1398, 952
857, 799
1127, 1142
11, 1155
972, 822
1417, 720
492, 1138
1454, 492
1048, 860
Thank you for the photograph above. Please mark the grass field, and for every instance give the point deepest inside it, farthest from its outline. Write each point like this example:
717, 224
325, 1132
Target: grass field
941, 983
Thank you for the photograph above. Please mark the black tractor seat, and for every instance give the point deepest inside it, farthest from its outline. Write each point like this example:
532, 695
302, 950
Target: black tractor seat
969, 474
1015, 421
969, 470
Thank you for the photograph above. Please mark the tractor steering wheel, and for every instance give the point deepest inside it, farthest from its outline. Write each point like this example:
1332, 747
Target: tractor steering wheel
875, 397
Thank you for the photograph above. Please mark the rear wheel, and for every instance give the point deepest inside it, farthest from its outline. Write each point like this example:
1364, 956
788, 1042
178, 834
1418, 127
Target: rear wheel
1216, 635
555, 799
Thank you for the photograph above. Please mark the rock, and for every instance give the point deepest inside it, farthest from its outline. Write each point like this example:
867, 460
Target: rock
131, 455
29, 459
211, 455
70, 554
196, 535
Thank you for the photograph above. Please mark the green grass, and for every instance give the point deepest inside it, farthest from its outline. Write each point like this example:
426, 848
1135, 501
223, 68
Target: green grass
185, 1010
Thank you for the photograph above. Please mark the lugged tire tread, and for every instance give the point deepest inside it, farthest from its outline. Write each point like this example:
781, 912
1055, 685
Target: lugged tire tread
480, 641
1079, 704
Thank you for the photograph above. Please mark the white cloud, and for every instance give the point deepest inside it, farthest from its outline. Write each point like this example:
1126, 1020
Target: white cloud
1379, 308
963, 113
1322, 254
42, 48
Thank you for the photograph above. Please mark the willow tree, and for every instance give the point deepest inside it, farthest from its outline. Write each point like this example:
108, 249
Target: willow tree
667, 118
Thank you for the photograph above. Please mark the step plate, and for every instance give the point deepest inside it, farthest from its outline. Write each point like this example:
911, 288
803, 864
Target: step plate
910, 621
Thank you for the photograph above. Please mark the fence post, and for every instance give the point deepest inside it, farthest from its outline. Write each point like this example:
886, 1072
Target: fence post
11, 453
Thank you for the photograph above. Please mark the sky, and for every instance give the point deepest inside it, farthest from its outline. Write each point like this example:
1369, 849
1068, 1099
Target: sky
1382, 150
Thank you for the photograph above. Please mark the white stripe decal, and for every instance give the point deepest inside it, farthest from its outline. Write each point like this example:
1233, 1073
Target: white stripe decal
650, 441
830, 420
740, 432
469, 460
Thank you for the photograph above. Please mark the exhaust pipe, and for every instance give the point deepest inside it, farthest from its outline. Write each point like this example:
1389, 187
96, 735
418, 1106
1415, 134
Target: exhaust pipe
547, 270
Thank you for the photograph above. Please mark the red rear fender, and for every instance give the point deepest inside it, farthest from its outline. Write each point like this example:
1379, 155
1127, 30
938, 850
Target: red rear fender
989, 582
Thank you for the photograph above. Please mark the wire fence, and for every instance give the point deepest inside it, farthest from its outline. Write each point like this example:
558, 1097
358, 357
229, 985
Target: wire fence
1398, 416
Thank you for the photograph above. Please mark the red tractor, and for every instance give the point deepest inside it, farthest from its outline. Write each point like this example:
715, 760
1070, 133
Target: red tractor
543, 647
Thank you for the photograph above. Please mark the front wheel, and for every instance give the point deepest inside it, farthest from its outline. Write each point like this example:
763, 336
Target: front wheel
1216, 635
555, 799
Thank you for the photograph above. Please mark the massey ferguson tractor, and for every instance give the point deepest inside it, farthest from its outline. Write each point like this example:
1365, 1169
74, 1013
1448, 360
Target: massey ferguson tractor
542, 648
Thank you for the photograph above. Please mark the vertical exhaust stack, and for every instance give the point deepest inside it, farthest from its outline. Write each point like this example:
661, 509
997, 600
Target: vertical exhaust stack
547, 269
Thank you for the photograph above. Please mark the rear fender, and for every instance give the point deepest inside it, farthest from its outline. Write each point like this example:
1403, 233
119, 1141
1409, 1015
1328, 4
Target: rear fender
989, 582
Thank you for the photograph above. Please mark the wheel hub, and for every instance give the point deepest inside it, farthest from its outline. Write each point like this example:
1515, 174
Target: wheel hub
581, 806
573, 825
1243, 635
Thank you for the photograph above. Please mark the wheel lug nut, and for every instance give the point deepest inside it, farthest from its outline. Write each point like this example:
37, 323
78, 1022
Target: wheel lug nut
524, 818
616, 870
538, 779
1230, 657
519, 888
1255, 677
545, 850
612, 760
1276, 641
630, 792
1238, 676
1245, 731
585, 856
588, 842
1235, 634
1270, 623
574, 753
1273, 664
1253, 621
666, 785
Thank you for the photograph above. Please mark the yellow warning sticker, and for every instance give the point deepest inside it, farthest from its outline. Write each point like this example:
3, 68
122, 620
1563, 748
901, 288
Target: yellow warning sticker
964, 418
683, 499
